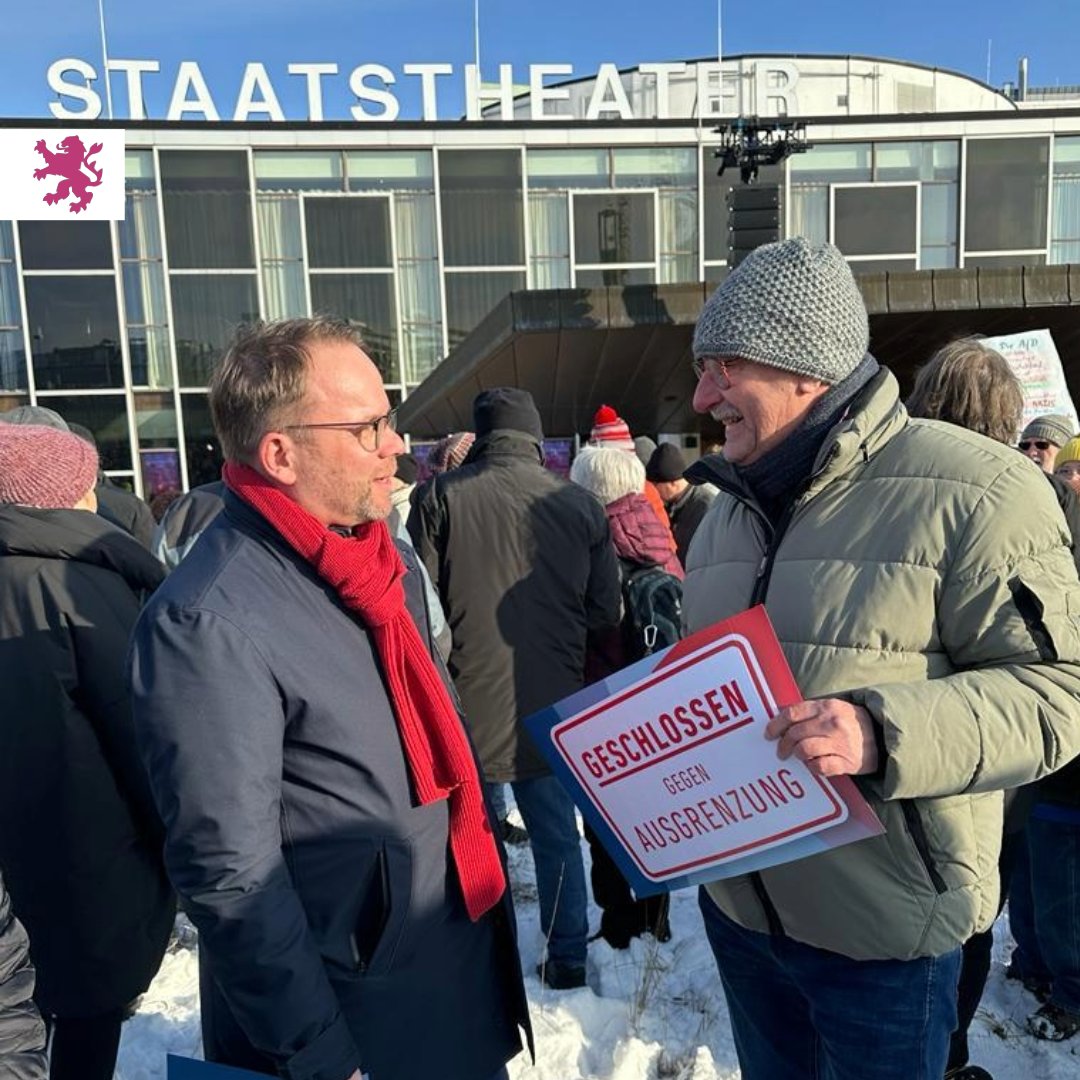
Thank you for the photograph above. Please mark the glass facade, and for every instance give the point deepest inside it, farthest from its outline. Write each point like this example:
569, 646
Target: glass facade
119, 326
880, 200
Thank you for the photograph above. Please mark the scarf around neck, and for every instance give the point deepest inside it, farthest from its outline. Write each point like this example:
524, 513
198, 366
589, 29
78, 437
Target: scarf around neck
778, 476
366, 569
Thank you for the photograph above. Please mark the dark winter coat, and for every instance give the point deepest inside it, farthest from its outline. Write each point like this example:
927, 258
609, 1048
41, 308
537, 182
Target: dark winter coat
22, 1031
125, 510
185, 521
80, 841
525, 569
332, 924
1063, 787
686, 513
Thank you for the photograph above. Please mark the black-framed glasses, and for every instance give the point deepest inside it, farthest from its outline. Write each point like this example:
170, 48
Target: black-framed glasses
368, 432
1039, 444
717, 368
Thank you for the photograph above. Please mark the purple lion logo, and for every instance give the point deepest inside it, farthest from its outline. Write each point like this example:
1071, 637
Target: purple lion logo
72, 163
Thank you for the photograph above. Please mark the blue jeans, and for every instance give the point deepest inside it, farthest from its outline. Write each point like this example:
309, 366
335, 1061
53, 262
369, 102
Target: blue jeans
1044, 907
548, 814
808, 1014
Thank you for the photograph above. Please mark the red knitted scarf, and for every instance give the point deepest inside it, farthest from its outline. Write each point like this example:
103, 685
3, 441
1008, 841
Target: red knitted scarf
366, 570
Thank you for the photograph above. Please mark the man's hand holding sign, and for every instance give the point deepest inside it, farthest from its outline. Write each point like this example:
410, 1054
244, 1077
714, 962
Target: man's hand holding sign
832, 736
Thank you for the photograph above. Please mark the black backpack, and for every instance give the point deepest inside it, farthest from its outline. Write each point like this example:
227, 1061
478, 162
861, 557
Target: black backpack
652, 599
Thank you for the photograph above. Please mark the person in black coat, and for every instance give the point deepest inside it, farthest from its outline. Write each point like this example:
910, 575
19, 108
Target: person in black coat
22, 1033
687, 504
312, 771
79, 837
525, 569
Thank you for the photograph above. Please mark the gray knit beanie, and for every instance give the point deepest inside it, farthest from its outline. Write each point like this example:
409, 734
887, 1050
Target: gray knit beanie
789, 305
1053, 427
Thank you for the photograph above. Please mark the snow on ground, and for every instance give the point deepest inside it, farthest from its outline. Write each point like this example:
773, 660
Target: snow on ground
653, 1012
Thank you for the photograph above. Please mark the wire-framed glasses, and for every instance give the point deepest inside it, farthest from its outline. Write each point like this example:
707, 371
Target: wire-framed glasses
368, 433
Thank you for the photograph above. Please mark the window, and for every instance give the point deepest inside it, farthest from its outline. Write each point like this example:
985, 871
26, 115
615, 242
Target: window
65, 245
876, 219
614, 227
470, 297
366, 300
482, 212
106, 416
1065, 212
201, 446
143, 275
207, 309
74, 332
12, 349
1007, 190
348, 232
207, 206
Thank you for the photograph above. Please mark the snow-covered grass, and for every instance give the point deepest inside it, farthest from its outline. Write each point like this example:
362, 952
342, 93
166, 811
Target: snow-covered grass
653, 1012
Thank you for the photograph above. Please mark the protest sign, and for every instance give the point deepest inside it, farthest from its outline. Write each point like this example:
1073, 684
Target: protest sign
668, 762
1034, 360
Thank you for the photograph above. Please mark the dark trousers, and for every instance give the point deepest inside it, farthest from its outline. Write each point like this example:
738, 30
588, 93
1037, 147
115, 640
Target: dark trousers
801, 1013
622, 917
1044, 909
975, 963
84, 1047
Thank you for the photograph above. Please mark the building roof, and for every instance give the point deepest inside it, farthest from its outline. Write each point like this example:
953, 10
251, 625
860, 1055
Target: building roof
576, 348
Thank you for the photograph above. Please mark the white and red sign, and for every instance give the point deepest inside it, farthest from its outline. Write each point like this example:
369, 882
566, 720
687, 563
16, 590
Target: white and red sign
61, 174
669, 759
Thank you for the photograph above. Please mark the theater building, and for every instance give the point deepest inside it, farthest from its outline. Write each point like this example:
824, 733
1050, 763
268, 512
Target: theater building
561, 237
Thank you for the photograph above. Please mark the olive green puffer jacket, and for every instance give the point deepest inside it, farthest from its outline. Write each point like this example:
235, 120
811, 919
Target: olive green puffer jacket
925, 575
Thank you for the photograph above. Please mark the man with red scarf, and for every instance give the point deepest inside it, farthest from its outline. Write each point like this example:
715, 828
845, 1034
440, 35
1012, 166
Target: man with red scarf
326, 827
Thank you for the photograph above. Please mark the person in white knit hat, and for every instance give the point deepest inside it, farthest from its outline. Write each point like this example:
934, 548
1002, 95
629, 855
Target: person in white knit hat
919, 580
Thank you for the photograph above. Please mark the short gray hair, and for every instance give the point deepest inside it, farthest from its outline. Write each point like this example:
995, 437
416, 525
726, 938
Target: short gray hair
263, 377
609, 474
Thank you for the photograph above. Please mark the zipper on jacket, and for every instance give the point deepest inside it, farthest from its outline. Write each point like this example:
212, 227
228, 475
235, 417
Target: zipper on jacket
917, 832
757, 596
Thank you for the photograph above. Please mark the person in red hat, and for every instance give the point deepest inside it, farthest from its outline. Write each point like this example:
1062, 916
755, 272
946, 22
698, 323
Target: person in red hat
611, 430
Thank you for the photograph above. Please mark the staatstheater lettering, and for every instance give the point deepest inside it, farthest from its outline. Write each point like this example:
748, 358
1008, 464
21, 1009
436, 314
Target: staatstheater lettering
679, 726
742, 803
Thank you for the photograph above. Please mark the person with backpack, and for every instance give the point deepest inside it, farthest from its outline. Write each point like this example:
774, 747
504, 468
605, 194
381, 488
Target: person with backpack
652, 617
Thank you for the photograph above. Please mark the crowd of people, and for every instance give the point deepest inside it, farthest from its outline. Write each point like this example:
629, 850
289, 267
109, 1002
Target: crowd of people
293, 704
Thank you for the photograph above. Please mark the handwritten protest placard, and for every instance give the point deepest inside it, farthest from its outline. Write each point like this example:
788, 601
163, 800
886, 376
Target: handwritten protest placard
1034, 359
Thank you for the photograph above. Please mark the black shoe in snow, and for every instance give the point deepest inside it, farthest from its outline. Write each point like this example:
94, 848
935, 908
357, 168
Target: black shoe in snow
561, 976
511, 833
1054, 1023
969, 1072
1039, 988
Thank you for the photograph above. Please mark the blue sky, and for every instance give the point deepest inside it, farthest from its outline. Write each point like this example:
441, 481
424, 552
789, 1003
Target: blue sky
222, 35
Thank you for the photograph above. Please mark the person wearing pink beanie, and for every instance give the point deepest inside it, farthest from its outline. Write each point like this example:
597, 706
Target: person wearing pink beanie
80, 842
44, 467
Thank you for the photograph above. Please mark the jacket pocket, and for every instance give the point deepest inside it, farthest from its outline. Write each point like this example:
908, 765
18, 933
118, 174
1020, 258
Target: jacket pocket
1051, 620
917, 833
383, 912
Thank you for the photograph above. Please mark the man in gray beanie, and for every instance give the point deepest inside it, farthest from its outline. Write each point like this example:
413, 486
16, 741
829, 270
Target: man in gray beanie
1044, 437
920, 581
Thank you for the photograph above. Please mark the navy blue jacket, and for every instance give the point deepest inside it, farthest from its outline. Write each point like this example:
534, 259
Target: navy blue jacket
329, 914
